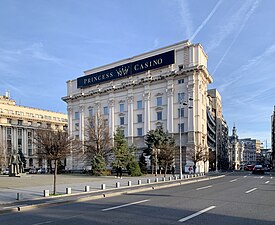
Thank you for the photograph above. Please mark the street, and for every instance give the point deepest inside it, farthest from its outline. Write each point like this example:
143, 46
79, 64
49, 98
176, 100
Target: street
238, 198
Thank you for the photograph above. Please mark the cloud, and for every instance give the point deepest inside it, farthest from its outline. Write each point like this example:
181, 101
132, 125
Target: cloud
252, 63
186, 18
206, 20
234, 25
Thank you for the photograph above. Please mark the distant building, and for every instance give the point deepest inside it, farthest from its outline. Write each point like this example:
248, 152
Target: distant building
236, 148
17, 126
252, 151
273, 137
166, 87
217, 132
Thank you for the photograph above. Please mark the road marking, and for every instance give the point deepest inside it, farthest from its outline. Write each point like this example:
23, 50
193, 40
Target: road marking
50, 221
245, 176
253, 189
233, 180
204, 187
261, 177
120, 206
196, 214
267, 182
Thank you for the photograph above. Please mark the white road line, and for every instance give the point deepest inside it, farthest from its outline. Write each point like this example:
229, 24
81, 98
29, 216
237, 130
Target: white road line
245, 176
261, 177
233, 180
204, 187
253, 189
50, 221
196, 214
267, 182
120, 206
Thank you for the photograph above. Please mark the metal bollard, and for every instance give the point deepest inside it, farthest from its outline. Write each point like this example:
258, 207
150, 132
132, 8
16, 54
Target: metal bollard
68, 190
87, 188
19, 196
163, 179
170, 178
103, 186
46, 193
156, 179
148, 181
129, 183
117, 184
139, 182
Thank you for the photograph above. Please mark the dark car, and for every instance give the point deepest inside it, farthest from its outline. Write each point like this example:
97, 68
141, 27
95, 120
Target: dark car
258, 169
249, 167
32, 171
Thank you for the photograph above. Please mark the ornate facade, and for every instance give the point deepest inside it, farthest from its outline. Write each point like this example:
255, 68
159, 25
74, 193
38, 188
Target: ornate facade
143, 93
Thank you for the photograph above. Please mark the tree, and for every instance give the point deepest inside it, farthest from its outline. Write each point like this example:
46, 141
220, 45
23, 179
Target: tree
167, 152
162, 147
154, 139
142, 164
97, 143
197, 156
133, 166
53, 145
3, 157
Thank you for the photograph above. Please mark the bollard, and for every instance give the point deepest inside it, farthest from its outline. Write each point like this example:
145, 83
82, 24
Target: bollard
46, 193
148, 181
170, 178
156, 179
87, 188
129, 183
18, 196
139, 182
163, 179
103, 186
176, 177
117, 184
68, 190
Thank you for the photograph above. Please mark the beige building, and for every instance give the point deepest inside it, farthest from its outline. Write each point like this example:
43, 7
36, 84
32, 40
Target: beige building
17, 126
166, 87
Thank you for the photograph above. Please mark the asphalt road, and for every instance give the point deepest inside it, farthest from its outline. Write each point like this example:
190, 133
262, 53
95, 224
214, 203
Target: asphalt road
235, 199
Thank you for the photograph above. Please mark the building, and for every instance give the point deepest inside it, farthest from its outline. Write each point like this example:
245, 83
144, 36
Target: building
217, 132
166, 87
17, 126
273, 137
252, 151
236, 148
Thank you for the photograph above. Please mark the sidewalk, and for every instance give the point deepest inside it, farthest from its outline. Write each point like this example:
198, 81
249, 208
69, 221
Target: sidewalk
32, 186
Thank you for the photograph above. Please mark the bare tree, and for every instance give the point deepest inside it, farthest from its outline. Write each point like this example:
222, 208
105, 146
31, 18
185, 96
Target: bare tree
52, 145
167, 152
197, 156
3, 157
97, 141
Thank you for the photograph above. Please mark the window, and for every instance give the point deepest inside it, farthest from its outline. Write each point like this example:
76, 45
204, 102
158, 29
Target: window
139, 104
180, 97
139, 131
20, 132
181, 127
159, 101
91, 112
29, 123
76, 115
39, 124
121, 120
181, 81
48, 125
29, 134
105, 110
181, 112
77, 126
121, 107
159, 115
139, 118
9, 120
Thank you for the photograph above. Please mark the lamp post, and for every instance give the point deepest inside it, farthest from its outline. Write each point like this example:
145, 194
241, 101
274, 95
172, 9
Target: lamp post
180, 114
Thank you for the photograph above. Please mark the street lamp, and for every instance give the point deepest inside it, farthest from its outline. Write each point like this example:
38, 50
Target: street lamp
180, 114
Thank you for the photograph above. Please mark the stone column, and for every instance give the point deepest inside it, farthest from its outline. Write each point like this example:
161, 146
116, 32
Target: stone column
112, 117
70, 130
170, 102
131, 118
147, 105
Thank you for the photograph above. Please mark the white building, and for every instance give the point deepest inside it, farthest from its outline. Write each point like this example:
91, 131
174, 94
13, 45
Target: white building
144, 92
17, 126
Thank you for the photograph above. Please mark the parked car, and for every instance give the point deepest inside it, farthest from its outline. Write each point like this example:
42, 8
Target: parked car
32, 171
258, 169
42, 170
6, 171
249, 167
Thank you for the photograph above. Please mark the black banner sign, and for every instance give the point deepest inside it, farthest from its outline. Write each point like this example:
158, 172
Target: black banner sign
128, 69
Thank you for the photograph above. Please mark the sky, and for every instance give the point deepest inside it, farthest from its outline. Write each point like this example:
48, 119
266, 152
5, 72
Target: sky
44, 43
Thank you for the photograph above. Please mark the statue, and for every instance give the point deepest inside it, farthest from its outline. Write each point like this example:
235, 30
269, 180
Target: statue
15, 165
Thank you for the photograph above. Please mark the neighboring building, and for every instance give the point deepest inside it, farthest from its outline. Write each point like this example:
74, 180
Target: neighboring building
252, 151
17, 126
217, 132
165, 87
236, 148
273, 137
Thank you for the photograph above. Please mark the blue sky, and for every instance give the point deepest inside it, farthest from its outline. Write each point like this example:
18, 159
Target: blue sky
44, 43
